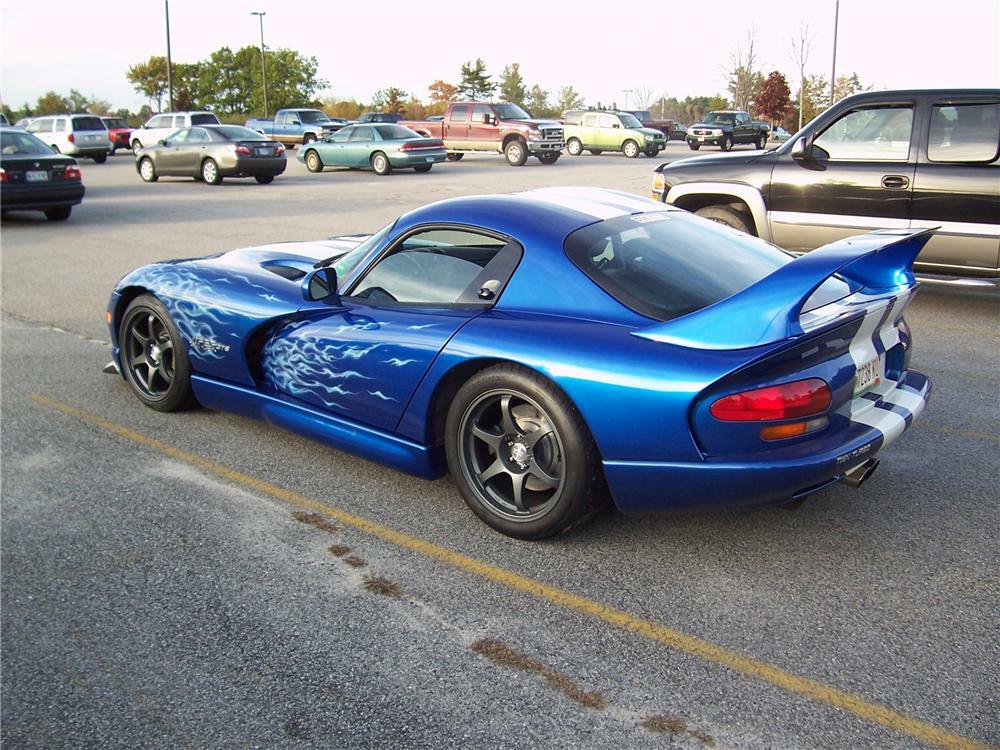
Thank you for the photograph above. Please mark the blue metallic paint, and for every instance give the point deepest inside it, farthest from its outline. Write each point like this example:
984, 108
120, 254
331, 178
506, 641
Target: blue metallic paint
372, 380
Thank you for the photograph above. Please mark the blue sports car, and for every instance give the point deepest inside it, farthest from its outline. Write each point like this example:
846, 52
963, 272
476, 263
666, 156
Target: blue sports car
552, 349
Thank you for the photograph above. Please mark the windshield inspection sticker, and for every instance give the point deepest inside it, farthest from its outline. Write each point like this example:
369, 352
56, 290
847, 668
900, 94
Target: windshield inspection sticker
646, 218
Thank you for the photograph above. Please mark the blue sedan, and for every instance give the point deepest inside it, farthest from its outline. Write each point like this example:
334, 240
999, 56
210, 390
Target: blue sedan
378, 147
553, 350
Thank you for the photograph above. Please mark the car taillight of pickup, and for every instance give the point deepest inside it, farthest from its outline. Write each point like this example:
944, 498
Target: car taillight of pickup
494, 127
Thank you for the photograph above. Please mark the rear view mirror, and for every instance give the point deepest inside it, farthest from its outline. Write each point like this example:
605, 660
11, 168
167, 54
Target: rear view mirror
802, 149
164, 142
320, 285
487, 119
616, 125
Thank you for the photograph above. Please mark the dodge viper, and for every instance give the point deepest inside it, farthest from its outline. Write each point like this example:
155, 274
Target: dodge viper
552, 349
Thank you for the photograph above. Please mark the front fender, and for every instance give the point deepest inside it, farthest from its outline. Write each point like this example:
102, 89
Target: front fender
751, 196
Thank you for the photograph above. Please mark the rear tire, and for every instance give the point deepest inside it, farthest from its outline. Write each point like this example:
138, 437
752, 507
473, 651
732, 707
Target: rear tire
574, 147
727, 216
423, 168
516, 153
380, 164
147, 171
521, 454
762, 141
630, 149
454, 156
136, 146
100, 158
58, 214
313, 162
210, 172
153, 357
265, 179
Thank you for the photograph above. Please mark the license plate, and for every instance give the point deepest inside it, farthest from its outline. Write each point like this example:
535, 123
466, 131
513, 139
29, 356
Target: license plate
868, 376
265, 151
429, 158
36, 176
701, 137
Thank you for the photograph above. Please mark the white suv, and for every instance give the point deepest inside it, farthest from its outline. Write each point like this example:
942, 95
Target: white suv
74, 135
160, 126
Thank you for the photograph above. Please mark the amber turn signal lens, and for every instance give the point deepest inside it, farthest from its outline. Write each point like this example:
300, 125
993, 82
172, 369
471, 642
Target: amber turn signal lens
781, 431
107, 317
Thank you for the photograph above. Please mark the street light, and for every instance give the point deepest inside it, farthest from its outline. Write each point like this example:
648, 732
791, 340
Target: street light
626, 92
263, 67
833, 69
170, 79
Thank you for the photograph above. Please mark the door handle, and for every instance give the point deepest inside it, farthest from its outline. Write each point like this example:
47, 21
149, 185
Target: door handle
895, 181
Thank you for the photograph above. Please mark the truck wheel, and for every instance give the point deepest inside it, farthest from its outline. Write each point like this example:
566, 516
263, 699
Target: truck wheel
454, 157
630, 149
762, 141
727, 144
516, 153
727, 216
549, 157
574, 147
136, 147
694, 146
380, 163
307, 139
313, 162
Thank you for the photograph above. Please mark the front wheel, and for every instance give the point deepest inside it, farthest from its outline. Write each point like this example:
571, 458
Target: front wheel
152, 355
313, 162
630, 149
549, 157
762, 141
136, 146
265, 179
423, 168
210, 172
574, 147
521, 454
58, 214
454, 156
147, 171
516, 153
380, 163
727, 144
727, 216
694, 146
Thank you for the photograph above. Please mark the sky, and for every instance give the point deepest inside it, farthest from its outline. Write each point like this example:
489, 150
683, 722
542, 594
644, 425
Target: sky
674, 48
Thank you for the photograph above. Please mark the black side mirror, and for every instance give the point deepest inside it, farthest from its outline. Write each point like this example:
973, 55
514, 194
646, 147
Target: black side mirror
164, 142
487, 119
802, 149
320, 285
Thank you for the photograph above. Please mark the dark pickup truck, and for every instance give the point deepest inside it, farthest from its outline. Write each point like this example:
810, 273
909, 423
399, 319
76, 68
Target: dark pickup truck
295, 126
648, 121
500, 128
726, 128
877, 160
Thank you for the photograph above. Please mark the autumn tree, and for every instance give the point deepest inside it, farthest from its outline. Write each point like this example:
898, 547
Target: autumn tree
847, 86
512, 88
51, 103
569, 98
773, 99
442, 93
538, 102
149, 78
390, 99
476, 84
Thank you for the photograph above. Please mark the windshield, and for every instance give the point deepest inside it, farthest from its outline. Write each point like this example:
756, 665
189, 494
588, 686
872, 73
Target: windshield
643, 116
115, 122
510, 112
204, 119
664, 265
629, 121
349, 262
396, 132
13, 143
89, 123
312, 115
238, 133
726, 118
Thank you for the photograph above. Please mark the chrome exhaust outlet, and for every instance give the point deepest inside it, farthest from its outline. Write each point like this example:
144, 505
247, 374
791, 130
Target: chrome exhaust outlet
860, 473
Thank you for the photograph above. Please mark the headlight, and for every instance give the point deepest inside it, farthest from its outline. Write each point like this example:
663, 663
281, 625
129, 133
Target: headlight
717, 131
534, 135
659, 184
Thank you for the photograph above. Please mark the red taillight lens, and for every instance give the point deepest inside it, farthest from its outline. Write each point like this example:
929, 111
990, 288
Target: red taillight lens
423, 144
71, 138
3, 175
243, 150
279, 150
72, 173
803, 398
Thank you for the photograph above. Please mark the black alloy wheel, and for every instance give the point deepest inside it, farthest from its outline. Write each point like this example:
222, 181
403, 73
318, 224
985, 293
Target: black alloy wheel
152, 356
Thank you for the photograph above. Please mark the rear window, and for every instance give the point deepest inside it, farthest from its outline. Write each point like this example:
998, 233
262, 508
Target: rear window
13, 143
204, 119
666, 264
235, 133
395, 132
88, 123
115, 122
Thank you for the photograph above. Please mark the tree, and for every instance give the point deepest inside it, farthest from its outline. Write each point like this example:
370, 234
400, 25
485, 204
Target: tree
149, 78
743, 76
102, 107
642, 97
846, 86
391, 99
538, 102
442, 93
569, 98
512, 88
476, 84
51, 103
801, 48
773, 100
348, 109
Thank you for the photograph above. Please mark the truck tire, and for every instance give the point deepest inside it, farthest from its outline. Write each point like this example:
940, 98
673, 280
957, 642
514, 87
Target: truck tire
307, 139
549, 157
313, 162
727, 143
454, 156
631, 149
727, 216
694, 146
574, 147
516, 152
762, 141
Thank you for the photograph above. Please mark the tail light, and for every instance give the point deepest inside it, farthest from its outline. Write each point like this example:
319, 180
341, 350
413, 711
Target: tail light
279, 150
72, 172
802, 398
424, 144
3, 175
71, 138
241, 149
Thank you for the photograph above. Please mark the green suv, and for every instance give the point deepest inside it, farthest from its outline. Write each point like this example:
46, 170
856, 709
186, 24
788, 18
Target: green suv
598, 131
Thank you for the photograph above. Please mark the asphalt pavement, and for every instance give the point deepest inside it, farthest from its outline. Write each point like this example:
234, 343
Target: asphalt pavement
199, 580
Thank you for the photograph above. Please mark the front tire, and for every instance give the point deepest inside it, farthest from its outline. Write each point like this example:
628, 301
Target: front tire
574, 147
307, 139
549, 157
147, 171
153, 357
694, 146
58, 214
136, 146
727, 216
727, 144
761, 141
210, 172
380, 164
521, 455
313, 162
630, 149
516, 153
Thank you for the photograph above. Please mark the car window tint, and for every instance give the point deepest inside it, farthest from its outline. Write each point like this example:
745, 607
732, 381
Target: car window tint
88, 123
869, 134
197, 135
179, 137
433, 267
573, 118
13, 143
608, 121
342, 135
179, 121
395, 132
60, 126
478, 111
205, 118
161, 121
964, 132
362, 134
41, 126
459, 113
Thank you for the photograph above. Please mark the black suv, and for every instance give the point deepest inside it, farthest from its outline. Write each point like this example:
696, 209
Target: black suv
888, 159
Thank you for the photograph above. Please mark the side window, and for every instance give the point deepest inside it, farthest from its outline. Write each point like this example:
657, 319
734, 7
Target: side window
590, 121
179, 137
41, 126
608, 121
60, 126
362, 134
478, 111
160, 121
742, 119
179, 121
964, 132
432, 267
342, 135
459, 113
869, 134
573, 118
197, 135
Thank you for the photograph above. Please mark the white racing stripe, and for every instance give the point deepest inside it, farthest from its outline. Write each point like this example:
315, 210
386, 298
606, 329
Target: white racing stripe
889, 423
910, 401
862, 345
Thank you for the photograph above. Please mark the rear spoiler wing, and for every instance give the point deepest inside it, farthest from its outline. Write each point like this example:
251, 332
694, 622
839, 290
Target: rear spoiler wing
768, 311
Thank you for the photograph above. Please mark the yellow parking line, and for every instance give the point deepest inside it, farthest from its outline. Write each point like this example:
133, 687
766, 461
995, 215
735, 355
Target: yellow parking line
873, 712
956, 431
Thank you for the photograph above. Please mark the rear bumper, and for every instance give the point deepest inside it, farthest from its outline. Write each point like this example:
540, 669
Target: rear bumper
404, 160
252, 166
775, 476
39, 198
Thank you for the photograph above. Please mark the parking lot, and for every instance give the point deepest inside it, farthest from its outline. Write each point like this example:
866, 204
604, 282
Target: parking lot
202, 580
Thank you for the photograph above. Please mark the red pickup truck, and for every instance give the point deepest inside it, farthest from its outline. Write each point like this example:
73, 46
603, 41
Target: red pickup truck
500, 128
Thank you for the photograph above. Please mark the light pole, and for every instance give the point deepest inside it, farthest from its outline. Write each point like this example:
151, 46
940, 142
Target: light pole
170, 79
833, 70
263, 67
626, 92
